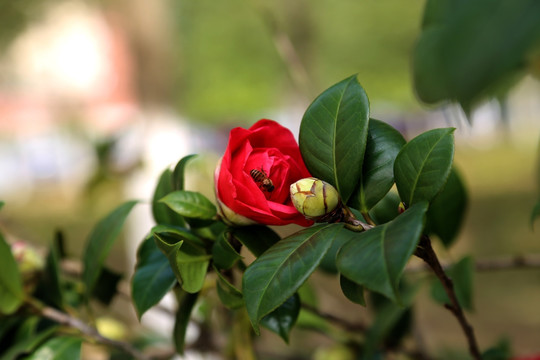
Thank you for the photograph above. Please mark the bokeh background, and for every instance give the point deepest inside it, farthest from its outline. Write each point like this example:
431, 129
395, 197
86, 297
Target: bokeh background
98, 97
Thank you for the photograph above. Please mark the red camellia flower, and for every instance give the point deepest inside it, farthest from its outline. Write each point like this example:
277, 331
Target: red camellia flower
253, 178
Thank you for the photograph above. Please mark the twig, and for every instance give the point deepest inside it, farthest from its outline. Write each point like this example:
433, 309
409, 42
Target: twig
85, 329
488, 265
425, 252
345, 324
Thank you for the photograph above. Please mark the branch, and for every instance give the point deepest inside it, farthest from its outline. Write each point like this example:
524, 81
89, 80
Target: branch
487, 265
425, 252
85, 329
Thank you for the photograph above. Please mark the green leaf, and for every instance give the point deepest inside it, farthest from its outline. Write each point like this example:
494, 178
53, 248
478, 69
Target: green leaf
188, 260
461, 274
256, 238
224, 254
49, 288
423, 165
535, 213
383, 144
229, 295
28, 344
392, 322
11, 286
387, 209
100, 242
162, 213
454, 61
186, 303
153, 277
190, 204
376, 258
2, 203
58, 348
179, 170
500, 351
328, 262
447, 210
108, 281
352, 291
282, 319
278, 273
333, 135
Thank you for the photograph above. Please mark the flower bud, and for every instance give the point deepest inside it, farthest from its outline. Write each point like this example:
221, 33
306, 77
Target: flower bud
314, 198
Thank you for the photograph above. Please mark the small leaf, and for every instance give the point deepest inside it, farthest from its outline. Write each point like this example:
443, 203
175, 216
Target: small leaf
352, 291
376, 258
447, 210
256, 238
383, 144
461, 274
333, 135
190, 204
2, 203
49, 287
224, 254
423, 165
278, 273
229, 295
188, 260
186, 303
11, 287
282, 319
100, 242
179, 170
162, 213
108, 281
58, 348
153, 277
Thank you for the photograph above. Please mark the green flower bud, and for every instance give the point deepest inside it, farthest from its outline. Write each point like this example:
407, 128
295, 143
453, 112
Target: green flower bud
314, 198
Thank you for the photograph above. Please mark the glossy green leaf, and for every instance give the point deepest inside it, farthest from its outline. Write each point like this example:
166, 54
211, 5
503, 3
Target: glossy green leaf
153, 277
328, 262
100, 242
282, 319
278, 273
186, 303
387, 209
333, 135
256, 238
454, 61
11, 287
178, 175
229, 295
461, 274
383, 144
190, 204
352, 291
161, 212
188, 260
223, 253
376, 258
180, 232
423, 165
58, 348
447, 210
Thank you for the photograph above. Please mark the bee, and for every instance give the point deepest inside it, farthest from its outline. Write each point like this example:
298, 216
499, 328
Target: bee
260, 177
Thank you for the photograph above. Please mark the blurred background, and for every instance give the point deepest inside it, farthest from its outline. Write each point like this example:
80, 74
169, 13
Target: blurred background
98, 97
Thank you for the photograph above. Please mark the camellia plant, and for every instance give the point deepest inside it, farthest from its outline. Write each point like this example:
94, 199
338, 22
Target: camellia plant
361, 200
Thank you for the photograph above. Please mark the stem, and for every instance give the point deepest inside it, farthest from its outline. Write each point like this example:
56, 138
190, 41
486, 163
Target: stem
85, 329
490, 265
425, 252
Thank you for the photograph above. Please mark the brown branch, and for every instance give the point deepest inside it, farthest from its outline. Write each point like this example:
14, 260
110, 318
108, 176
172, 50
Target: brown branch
425, 252
85, 329
487, 265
